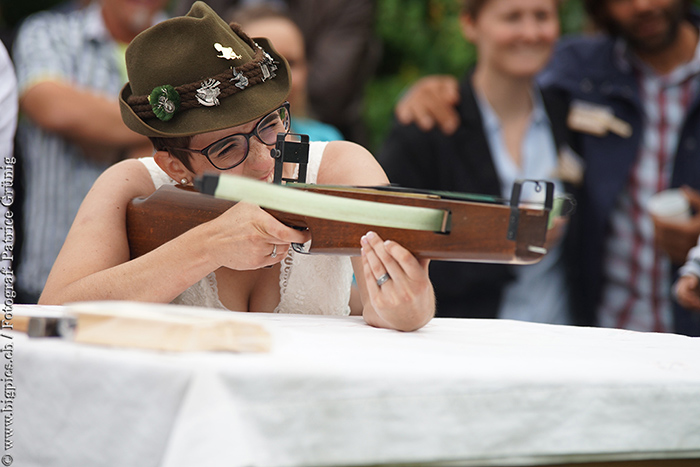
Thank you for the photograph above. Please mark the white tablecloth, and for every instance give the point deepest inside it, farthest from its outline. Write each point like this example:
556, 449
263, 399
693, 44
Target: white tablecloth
334, 391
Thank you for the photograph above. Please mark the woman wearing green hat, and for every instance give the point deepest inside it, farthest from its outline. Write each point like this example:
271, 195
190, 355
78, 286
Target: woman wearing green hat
213, 100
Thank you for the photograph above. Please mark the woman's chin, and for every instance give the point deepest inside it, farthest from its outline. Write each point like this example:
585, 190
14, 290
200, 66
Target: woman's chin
527, 71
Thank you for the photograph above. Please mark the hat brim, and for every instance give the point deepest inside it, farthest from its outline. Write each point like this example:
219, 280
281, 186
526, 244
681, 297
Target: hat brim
237, 109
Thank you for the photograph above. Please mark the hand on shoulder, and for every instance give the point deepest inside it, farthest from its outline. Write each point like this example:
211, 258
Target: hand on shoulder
431, 102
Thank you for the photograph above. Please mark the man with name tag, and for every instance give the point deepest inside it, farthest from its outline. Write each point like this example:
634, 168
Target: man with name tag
634, 100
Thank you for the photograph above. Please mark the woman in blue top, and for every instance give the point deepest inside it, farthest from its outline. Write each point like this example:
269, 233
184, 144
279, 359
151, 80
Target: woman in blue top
509, 130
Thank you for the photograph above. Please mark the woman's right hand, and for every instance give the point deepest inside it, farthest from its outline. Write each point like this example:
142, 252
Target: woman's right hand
245, 237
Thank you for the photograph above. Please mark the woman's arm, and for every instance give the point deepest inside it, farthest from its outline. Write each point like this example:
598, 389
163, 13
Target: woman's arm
94, 261
406, 301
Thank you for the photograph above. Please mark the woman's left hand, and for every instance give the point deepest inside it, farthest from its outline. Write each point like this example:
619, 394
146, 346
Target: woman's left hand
400, 292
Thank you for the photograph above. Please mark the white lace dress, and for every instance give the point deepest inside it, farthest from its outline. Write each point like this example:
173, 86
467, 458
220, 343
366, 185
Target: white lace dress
309, 284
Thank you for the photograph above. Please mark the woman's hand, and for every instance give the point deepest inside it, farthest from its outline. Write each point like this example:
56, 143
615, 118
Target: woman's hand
246, 237
400, 292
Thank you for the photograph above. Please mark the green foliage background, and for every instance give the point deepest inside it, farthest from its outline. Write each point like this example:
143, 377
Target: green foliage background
422, 37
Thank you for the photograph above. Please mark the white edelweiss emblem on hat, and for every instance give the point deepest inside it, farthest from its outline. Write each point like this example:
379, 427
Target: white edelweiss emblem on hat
208, 93
226, 52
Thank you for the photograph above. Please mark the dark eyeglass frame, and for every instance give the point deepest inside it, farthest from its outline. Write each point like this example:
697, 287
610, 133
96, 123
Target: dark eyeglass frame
247, 136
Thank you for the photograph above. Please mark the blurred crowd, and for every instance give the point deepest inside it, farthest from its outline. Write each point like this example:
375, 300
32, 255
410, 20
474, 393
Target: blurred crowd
611, 116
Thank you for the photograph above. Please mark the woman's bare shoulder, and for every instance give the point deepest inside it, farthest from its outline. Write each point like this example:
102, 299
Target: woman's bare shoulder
127, 179
347, 163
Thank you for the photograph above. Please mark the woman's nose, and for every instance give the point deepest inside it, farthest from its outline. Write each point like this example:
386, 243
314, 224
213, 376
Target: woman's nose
642, 5
259, 153
531, 29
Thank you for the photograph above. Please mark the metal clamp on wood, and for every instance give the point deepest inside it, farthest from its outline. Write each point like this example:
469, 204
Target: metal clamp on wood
295, 151
514, 219
51, 326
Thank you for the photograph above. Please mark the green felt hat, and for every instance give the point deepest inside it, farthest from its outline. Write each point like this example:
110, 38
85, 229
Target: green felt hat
195, 74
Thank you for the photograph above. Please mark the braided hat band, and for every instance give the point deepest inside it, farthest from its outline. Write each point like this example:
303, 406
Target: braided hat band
165, 100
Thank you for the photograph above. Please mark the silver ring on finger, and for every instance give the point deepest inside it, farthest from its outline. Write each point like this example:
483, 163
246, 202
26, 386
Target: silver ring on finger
383, 278
274, 251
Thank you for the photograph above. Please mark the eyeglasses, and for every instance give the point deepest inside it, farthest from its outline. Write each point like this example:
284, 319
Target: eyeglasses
232, 150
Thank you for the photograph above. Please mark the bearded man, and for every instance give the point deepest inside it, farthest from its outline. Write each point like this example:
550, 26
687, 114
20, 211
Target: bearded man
642, 77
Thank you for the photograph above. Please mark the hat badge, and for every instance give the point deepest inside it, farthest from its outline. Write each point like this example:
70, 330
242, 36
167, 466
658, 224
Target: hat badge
267, 66
165, 101
240, 77
226, 52
208, 93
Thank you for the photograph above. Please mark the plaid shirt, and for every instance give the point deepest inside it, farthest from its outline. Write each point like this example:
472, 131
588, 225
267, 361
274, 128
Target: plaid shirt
637, 291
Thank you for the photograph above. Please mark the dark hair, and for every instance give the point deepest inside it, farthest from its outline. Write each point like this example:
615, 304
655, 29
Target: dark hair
171, 145
247, 14
472, 7
596, 10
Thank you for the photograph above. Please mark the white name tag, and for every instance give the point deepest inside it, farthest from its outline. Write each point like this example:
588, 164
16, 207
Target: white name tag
596, 120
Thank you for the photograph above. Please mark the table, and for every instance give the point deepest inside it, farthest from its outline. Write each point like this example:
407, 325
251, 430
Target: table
334, 391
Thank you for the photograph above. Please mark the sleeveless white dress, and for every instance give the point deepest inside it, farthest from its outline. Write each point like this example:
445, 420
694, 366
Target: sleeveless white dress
309, 284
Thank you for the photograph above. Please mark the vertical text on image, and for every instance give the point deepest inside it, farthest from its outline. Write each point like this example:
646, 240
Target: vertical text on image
7, 198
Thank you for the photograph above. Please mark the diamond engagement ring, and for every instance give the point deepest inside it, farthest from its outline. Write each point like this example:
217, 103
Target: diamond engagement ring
274, 251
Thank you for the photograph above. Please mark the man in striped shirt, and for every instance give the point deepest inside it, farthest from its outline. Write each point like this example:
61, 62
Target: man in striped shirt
70, 69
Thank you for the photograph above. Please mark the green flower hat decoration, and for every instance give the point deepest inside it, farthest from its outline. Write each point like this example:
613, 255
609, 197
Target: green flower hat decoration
165, 101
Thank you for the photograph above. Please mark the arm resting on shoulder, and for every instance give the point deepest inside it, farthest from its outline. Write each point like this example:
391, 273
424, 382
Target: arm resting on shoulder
431, 102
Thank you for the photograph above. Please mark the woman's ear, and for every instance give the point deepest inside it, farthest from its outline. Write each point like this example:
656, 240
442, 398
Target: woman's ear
173, 166
468, 25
